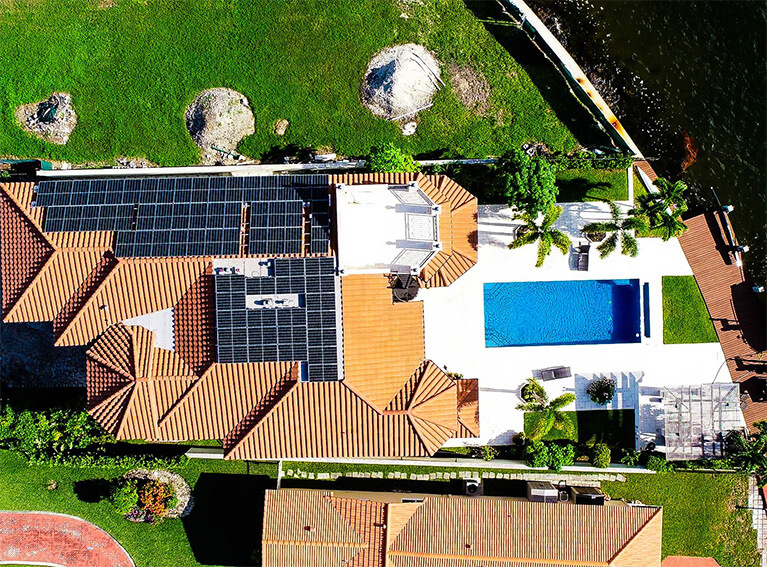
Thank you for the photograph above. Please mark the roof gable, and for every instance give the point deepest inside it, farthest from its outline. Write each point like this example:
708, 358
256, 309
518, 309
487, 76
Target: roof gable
23, 250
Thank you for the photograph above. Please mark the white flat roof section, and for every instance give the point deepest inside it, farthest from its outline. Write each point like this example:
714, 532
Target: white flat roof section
455, 324
383, 228
159, 322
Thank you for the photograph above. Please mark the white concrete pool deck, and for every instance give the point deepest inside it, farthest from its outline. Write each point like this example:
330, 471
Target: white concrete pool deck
455, 326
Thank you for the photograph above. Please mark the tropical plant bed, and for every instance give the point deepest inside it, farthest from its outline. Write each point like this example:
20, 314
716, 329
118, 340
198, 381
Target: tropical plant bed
639, 192
581, 185
700, 513
614, 427
297, 61
685, 316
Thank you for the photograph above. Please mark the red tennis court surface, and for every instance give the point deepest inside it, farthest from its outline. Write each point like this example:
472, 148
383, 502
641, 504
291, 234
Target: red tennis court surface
57, 539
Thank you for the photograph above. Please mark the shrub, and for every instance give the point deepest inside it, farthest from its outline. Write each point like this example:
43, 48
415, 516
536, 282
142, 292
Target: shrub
600, 456
659, 464
101, 460
154, 498
527, 183
561, 456
536, 454
124, 496
601, 390
489, 453
390, 159
40, 434
630, 457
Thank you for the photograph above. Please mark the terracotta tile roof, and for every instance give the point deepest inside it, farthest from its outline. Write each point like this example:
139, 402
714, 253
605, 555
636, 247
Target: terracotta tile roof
302, 528
468, 407
460, 531
194, 324
221, 399
368, 519
131, 289
383, 341
23, 253
260, 410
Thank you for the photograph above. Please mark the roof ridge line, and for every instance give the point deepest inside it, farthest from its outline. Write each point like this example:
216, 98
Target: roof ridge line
104, 362
177, 403
27, 290
101, 273
283, 387
545, 562
634, 536
123, 409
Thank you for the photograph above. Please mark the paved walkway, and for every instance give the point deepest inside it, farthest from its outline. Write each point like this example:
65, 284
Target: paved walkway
45, 538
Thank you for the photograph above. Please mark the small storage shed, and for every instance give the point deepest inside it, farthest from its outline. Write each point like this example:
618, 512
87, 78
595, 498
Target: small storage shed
587, 495
539, 491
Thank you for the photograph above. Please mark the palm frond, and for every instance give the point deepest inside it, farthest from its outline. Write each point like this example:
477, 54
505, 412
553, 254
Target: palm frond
534, 406
562, 401
524, 239
614, 210
564, 423
597, 227
629, 246
541, 425
608, 246
560, 240
551, 217
537, 389
544, 248
635, 222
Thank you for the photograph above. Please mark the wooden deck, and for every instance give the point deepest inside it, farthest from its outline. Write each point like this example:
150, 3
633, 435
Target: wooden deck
734, 308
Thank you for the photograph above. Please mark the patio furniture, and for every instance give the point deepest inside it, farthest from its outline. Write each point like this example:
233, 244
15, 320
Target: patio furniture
583, 257
553, 373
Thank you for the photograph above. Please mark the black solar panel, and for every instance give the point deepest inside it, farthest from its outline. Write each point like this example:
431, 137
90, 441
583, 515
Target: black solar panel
307, 333
207, 210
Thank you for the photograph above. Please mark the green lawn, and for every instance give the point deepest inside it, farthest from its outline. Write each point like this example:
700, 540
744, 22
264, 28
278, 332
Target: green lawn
685, 316
577, 185
699, 513
614, 427
223, 529
134, 68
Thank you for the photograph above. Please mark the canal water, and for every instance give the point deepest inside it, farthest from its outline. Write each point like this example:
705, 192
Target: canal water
684, 74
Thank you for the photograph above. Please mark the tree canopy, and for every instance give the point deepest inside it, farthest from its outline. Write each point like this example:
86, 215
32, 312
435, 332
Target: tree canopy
388, 158
527, 182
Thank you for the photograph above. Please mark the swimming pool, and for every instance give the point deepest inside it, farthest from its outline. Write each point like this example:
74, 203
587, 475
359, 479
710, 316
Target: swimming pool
562, 313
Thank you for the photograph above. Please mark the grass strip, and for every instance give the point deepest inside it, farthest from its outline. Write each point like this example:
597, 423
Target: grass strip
685, 316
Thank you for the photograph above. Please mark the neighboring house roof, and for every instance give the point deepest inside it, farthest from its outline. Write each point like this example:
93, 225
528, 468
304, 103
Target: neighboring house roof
686, 561
307, 527
392, 401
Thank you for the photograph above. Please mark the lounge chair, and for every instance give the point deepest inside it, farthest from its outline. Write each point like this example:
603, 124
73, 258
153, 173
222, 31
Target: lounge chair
583, 257
553, 373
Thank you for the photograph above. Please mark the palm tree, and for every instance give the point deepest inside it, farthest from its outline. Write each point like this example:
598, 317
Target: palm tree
548, 414
620, 229
747, 451
544, 233
664, 207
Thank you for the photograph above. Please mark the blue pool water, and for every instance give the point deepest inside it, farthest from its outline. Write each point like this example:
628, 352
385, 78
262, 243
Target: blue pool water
562, 313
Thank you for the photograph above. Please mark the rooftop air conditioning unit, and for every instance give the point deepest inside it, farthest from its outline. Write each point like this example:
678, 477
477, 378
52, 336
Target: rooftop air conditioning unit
472, 487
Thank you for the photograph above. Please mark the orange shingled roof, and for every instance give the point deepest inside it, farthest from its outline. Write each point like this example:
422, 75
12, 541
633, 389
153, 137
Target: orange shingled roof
133, 287
383, 341
260, 410
446, 531
23, 253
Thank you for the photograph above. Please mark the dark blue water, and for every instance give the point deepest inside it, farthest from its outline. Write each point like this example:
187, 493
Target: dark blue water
561, 313
670, 67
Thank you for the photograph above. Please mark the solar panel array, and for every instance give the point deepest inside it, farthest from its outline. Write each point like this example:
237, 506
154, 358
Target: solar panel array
306, 334
192, 216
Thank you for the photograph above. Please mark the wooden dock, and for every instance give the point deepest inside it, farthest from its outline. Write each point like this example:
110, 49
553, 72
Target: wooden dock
735, 309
